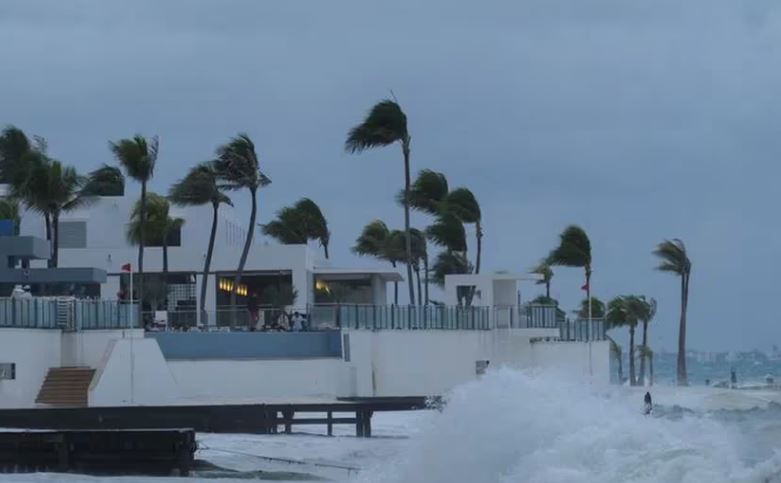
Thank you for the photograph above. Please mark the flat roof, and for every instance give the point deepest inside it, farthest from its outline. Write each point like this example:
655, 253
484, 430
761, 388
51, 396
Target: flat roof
357, 273
528, 277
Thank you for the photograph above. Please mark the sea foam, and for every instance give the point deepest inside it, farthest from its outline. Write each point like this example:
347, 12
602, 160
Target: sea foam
537, 427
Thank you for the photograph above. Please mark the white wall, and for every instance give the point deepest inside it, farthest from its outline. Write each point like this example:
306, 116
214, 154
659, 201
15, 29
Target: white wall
133, 372
33, 352
431, 362
236, 380
578, 358
87, 348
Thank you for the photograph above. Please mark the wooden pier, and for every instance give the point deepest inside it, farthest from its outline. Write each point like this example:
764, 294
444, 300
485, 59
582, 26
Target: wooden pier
147, 452
218, 418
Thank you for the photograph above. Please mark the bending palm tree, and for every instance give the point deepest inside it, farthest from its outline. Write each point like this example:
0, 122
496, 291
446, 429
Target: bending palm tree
574, 250
546, 272
462, 203
427, 192
674, 259
386, 124
238, 168
199, 188
374, 241
15, 147
158, 229
138, 157
646, 315
298, 224
615, 350
620, 314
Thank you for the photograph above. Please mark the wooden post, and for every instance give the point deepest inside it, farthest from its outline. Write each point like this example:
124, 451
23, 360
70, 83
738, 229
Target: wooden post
330, 423
367, 424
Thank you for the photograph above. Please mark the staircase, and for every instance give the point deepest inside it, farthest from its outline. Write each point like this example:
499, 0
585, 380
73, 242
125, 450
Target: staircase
66, 386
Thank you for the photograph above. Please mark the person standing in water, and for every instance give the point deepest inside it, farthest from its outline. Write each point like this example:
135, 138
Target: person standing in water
649, 405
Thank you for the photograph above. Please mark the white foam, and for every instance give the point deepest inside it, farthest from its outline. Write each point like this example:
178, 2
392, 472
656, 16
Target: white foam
513, 427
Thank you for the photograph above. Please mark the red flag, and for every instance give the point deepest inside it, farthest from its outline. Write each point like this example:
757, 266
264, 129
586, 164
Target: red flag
126, 268
585, 287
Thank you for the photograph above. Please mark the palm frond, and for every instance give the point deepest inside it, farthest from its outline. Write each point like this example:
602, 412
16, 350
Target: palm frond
545, 270
372, 239
673, 257
448, 231
574, 249
462, 203
448, 263
237, 165
137, 155
14, 145
199, 187
385, 124
104, 181
427, 192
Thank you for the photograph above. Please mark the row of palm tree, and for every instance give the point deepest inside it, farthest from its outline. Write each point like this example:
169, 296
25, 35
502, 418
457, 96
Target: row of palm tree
574, 250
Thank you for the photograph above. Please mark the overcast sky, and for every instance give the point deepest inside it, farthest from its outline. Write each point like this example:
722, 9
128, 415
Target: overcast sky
638, 120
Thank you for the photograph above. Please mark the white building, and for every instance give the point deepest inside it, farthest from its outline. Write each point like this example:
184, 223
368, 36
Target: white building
95, 236
366, 348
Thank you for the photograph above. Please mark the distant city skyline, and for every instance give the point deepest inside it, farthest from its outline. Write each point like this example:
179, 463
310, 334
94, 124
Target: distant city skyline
637, 121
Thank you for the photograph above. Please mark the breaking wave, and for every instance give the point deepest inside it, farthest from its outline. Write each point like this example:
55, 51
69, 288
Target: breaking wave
521, 427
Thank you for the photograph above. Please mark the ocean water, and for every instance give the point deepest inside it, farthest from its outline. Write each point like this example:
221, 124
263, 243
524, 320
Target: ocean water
750, 368
522, 427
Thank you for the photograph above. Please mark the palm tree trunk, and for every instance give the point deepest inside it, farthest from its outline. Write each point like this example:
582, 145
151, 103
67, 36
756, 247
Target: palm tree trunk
207, 263
642, 359
55, 240
142, 240
682, 376
620, 368
547, 290
395, 289
48, 223
165, 269
420, 287
632, 380
407, 237
425, 267
325, 250
479, 236
247, 244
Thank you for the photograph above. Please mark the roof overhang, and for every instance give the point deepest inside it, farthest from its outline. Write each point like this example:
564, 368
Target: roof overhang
357, 274
53, 275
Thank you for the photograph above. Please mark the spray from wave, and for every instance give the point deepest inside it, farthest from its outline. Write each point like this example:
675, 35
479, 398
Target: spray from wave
513, 427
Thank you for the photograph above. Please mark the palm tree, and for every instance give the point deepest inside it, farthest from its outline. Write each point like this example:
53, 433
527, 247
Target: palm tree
420, 254
9, 210
138, 157
427, 192
447, 263
646, 314
238, 168
298, 224
597, 308
52, 189
615, 351
463, 204
159, 228
374, 242
546, 272
386, 124
574, 250
200, 187
620, 314
15, 146
674, 259
448, 232
105, 181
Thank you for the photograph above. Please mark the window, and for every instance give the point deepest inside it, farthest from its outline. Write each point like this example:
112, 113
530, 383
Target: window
73, 234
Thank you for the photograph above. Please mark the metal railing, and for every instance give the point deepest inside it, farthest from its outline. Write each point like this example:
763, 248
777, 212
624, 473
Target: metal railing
28, 313
399, 317
239, 319
581, 330
531, 316
66, 313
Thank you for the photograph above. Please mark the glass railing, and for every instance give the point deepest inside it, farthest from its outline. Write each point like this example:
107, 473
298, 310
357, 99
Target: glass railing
583, 330
28, 313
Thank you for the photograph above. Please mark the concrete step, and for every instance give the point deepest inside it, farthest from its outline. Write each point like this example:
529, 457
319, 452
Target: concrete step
66, 386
